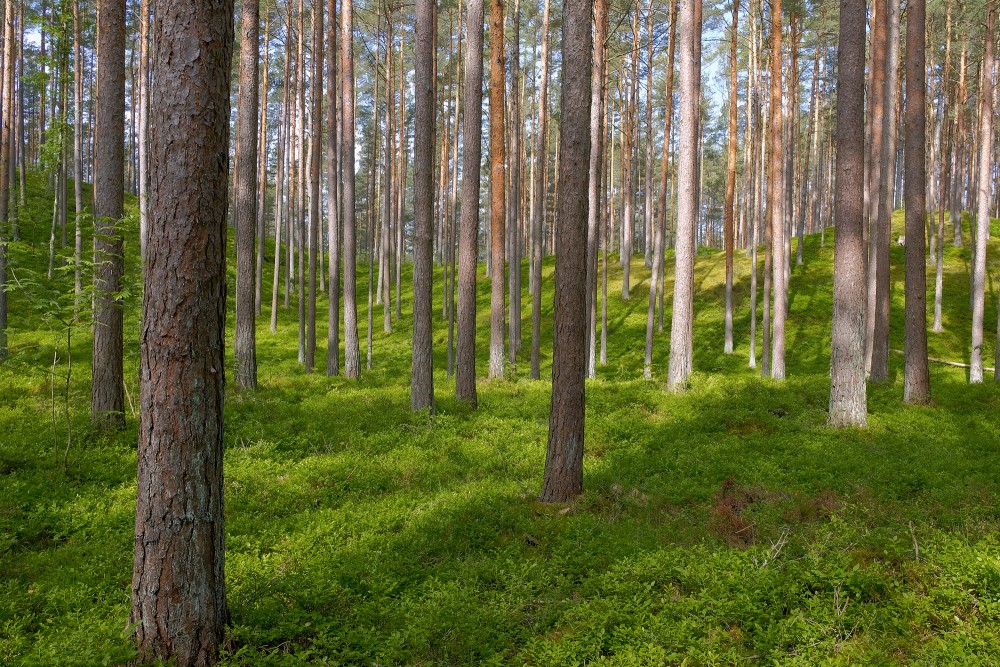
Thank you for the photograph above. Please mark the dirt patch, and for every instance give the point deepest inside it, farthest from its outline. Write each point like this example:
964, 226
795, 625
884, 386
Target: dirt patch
728, 514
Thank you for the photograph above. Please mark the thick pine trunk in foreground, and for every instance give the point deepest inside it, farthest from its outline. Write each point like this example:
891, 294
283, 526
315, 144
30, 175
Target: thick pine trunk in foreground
916, 376
334, 204
178, 585
563, 478
108, 395
422, 385
468, 239
245, 344
848, 406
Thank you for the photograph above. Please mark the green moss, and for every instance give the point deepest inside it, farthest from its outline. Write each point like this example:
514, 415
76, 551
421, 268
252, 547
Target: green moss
360, 533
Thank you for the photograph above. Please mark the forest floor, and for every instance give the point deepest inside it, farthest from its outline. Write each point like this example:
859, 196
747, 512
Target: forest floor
727, 525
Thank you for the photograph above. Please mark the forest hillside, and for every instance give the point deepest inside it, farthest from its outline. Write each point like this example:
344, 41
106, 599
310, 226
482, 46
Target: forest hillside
725, 525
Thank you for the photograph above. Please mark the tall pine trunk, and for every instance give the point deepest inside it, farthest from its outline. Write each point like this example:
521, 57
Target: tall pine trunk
245, 345
422, 385
848, 405
563, 476
179, 607
107, 397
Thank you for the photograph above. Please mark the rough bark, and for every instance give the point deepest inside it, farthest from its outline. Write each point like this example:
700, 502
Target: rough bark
107, 395
178, 585
422, 384
245, 344
848, 406
916, 376
468, 239
563, 477
681, 350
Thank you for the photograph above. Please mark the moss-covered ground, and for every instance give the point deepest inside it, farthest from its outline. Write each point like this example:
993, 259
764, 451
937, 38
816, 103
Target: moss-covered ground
727, 525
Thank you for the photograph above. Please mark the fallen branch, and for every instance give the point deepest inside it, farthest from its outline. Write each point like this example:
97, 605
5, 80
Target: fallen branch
986, 369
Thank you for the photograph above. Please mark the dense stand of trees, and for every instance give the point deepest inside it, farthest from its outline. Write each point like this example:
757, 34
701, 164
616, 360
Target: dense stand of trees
586, 160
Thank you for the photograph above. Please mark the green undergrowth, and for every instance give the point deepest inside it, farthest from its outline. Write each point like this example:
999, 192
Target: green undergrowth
727, 525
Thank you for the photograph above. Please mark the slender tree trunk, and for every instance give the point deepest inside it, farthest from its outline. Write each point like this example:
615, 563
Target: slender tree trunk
882, 230
665, 160
352, 353
648, 176
315, 172
334, 205
985, 171
596, 177
497, 195
776, 201
514, 219
144, 10
916, 382
107, 397
245, 346
876, 86
279, 191
563, 477
178, 581
628, 161
540, 154
302, 167
681, 349
848, 405
78, 150
729, 210
262, 166
5, 149
468, 241
389, 197
422, 385
813, 137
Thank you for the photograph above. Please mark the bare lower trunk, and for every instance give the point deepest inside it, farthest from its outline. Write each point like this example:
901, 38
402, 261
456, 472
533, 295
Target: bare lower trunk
776, 197
728, 207
563, 477
847, 363
497, 195
681, 349
916, 381
352, 352
468, 241
596, 178
178, 583
245, 345
985, 171
107, 398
